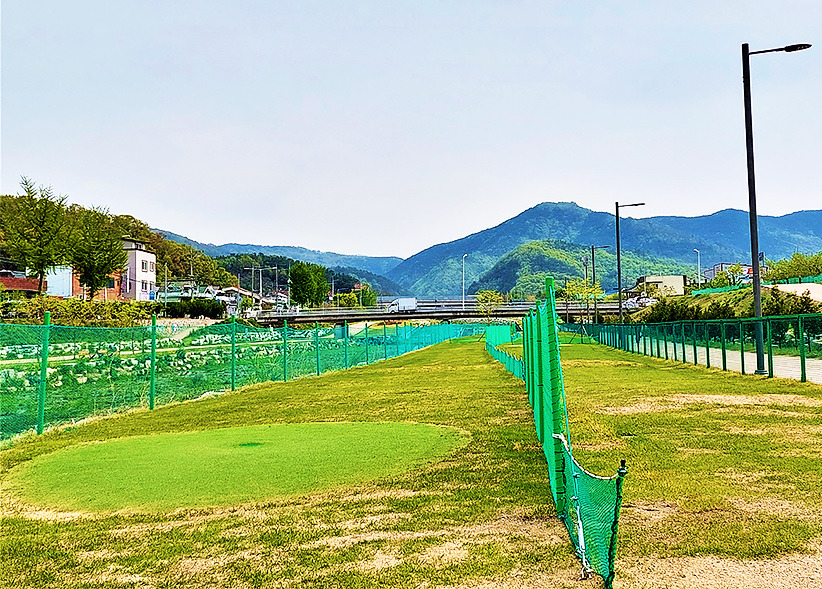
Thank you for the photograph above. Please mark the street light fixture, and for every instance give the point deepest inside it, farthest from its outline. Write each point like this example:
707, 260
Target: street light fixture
619, 258
698, 268
594, 274
463, 280
757, 286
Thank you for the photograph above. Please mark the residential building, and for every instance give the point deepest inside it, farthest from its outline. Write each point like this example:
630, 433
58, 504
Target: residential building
665, 285
138, 281
17, 282
747, 271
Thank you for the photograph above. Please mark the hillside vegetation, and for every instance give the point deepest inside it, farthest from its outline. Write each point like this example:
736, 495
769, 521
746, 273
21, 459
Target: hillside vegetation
721, 237
523, 270
726, 305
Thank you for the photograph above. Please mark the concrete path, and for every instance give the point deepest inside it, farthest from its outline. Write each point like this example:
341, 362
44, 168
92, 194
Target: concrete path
783, 366
814, 290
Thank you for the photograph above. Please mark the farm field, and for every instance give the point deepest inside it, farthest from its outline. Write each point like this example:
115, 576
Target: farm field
722, 490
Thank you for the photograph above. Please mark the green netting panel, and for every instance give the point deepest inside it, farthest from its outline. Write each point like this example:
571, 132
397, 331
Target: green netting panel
587, 504
92, 371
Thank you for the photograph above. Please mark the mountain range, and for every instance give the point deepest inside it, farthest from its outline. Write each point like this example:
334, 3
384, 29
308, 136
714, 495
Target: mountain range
653, 242
373, 264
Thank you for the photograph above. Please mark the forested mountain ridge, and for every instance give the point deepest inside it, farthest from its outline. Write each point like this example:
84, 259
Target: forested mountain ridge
372, 264
720, 237
523, 270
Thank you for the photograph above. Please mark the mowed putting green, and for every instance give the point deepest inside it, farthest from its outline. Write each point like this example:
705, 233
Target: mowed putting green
229, 466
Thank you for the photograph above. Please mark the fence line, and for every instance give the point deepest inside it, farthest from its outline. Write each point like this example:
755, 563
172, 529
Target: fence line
792, 344
51, 374
587, 504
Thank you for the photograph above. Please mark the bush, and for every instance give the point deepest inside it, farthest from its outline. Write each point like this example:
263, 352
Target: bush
196, 308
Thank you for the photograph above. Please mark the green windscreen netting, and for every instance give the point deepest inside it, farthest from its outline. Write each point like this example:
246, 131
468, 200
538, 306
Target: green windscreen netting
52, 374
587, 504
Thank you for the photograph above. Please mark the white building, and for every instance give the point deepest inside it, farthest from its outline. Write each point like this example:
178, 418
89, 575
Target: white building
139, 276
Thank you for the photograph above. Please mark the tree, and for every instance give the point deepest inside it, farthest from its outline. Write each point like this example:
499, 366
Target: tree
308, 284
37, 229
98, 249
488, 301
736, 273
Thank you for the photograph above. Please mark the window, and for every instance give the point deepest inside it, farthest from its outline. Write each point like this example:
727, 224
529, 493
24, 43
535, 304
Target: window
145, 265
144, 285
152, 266
110, 282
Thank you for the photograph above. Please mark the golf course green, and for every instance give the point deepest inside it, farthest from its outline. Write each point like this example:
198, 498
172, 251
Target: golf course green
229, 466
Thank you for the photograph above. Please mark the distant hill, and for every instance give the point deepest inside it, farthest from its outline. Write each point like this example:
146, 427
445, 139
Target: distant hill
375, 265
379, 283
720, 237
524, 269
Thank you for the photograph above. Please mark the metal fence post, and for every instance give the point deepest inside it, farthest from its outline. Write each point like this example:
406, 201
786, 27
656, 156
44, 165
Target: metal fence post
153, 371
285, 350
345, 342
384, 342
770, 347
44, 363
741, 347
684, 357
707, 344
367, 358
233, 352
693, 339
803, 375
724, 350
665, 340
317, 345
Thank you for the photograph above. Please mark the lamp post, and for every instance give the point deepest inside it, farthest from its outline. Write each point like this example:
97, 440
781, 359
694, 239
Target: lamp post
463, 280
619, 258
253, 268
698, 268
594, 274
757, 287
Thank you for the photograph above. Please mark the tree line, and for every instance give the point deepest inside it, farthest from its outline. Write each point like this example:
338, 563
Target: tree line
40, 230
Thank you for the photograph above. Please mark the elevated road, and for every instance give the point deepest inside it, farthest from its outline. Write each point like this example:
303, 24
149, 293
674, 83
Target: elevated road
440, 310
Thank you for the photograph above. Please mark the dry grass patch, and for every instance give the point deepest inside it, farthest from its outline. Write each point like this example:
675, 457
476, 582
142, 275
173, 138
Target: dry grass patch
598, 363
380, 561
775, 506
646, 513
762, 400
793, 571
658, 404
444, 554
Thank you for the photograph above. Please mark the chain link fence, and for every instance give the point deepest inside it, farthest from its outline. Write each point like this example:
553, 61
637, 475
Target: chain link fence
52, 374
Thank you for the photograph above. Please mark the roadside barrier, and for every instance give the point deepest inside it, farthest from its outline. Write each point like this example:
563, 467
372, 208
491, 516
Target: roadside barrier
51, 374
792, 344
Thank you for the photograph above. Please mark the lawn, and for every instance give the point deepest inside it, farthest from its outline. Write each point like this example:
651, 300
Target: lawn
722, 490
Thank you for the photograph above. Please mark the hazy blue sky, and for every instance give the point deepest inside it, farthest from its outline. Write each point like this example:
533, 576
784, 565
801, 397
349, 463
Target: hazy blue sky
385, 127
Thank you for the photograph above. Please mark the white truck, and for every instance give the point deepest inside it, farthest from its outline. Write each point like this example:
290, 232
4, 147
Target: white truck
402, 305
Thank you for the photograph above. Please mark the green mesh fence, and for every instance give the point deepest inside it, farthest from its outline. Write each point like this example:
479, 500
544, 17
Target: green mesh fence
587, 504
791, 345
53, 374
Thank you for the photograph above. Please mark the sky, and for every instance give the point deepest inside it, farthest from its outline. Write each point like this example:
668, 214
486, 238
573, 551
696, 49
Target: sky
385, 127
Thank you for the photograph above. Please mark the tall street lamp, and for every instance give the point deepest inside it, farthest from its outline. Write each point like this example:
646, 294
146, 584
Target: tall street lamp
698, 268
463, 280
619, 258
746, 86
594, 274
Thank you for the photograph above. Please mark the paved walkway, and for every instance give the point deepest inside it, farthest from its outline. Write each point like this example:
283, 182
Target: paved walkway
814, 290
783, 366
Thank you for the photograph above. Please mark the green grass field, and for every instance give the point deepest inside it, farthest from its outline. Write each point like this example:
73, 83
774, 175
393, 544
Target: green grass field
227, 466
722, 490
